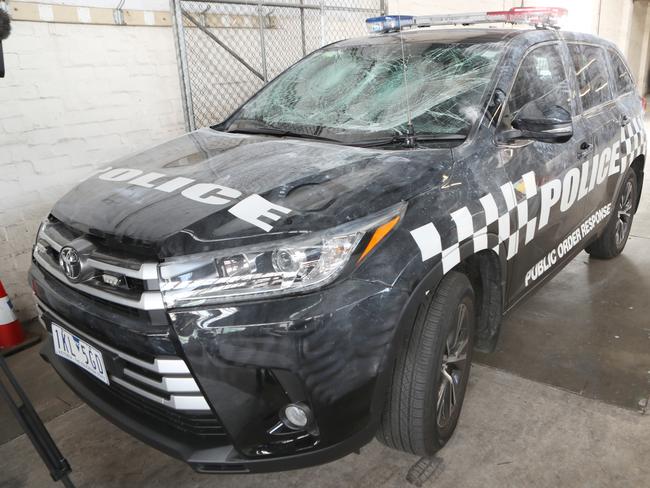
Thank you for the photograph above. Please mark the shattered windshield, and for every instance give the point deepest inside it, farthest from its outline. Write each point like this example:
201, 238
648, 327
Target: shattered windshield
355, 93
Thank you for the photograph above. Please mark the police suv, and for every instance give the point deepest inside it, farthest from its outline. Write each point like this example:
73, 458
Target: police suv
276, 290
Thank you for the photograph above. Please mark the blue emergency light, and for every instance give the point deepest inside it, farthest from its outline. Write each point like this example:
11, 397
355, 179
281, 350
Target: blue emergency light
389, 23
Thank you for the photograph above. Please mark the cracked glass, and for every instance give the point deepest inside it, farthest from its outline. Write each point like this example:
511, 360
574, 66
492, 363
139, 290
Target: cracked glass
352, 93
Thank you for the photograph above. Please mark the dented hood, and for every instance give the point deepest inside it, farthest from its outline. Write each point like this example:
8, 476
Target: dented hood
208, 190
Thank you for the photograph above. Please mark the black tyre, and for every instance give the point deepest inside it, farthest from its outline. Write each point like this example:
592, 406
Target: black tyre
431, 371
613, 239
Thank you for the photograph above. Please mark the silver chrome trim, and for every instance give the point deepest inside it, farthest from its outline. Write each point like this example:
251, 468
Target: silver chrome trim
159, 365
149, 300
147, 271
169, 384
177, 402
55, 245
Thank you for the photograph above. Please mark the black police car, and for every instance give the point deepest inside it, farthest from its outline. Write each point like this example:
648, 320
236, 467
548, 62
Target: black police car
273, 292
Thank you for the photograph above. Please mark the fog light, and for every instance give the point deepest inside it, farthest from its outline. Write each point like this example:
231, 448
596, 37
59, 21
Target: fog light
296, 416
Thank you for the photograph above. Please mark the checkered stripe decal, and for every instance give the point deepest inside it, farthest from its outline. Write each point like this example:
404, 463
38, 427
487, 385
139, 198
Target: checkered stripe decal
633, 141
504, 213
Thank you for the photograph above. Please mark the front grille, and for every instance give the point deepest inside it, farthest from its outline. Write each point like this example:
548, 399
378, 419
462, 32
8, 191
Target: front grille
165, 381
122, 280
104, 320
117, 306
194, 423
161, 388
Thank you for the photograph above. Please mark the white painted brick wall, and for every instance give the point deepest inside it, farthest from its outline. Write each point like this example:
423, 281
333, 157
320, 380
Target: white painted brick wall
75, 97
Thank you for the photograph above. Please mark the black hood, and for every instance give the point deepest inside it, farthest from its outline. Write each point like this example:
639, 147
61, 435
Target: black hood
321, 184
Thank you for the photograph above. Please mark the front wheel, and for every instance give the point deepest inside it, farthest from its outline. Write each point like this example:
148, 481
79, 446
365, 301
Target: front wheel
431, 371
613, 239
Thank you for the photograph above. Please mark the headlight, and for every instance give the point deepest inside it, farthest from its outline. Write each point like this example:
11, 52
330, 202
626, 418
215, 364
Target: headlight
276, 268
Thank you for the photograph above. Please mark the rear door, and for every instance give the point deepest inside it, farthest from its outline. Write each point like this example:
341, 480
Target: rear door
544, 176
603, 119
630, 110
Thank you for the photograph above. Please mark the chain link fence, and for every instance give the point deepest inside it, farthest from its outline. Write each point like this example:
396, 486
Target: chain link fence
228, 49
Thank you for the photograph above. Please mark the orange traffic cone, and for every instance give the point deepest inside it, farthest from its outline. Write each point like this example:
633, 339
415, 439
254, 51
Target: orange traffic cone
11, 332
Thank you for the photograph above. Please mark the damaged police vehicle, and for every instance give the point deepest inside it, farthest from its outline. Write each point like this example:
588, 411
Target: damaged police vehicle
274, 291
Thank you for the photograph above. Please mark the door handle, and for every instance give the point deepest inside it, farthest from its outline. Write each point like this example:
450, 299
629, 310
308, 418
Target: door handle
625, 120
584, 149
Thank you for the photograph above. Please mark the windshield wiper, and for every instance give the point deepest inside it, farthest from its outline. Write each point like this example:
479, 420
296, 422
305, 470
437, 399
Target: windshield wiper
261, 128
407, 140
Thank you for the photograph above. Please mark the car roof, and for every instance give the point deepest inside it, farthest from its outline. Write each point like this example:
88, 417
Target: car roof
471, 36
588, 38
474, 36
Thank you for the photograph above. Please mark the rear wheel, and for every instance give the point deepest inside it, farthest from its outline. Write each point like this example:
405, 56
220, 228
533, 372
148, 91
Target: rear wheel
613, 239
431, 371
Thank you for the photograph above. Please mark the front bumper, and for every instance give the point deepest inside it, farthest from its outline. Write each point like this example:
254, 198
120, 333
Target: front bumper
329, 350
202, 456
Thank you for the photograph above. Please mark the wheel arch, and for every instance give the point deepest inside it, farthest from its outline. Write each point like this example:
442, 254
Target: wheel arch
486, 271
638, 165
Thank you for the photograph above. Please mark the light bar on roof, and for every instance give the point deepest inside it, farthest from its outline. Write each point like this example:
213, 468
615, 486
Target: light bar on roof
389, 23
537, 16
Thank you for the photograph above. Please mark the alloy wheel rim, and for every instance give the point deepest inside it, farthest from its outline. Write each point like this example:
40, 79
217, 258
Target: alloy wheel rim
454, 362
624, 216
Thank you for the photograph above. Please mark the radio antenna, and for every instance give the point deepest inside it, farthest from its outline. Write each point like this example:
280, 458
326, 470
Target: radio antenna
410, 132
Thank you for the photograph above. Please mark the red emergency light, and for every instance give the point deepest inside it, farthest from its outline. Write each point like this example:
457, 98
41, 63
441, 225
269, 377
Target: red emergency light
530, 15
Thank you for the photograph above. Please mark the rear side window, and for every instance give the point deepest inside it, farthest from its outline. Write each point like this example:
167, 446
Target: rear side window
541, 79
591, 69
623, 81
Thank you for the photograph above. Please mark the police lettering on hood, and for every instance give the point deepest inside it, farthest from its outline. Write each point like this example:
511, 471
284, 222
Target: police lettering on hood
249, 209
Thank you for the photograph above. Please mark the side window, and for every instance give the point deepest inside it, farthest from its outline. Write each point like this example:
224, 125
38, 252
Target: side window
541, 80
623, 82
591, 69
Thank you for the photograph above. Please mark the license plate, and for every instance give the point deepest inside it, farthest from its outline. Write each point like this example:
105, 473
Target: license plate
70, 347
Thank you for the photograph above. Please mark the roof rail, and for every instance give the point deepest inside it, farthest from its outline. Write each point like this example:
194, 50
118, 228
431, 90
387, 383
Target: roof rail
540, 17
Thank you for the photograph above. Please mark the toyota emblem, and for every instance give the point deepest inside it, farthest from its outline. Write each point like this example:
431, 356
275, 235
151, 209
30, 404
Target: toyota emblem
70, 263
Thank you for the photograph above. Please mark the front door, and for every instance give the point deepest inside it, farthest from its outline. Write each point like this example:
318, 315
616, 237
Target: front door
545, 177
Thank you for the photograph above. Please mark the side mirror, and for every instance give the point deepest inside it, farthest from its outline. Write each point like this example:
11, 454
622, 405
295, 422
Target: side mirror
551, 124
5, 30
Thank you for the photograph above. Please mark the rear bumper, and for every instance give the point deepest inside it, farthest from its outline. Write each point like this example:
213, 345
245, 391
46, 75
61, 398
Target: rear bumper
328, 350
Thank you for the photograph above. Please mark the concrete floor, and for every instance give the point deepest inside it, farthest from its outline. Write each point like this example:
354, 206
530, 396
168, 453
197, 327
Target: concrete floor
513, 432
48, 392
583, 340
588, 331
